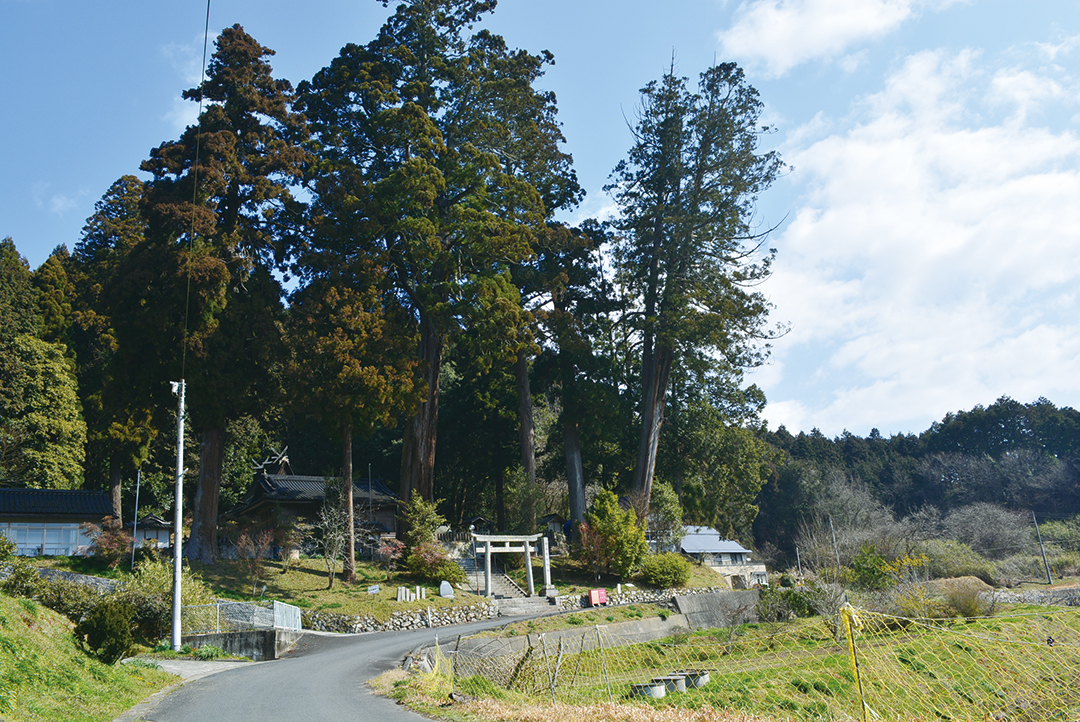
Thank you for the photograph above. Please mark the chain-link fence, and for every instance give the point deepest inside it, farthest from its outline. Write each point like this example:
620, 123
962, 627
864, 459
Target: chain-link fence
238, 617
858, 665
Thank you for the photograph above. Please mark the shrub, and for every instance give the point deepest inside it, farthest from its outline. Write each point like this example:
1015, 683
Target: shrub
948, 558
107, 629
75, 601
779, 603
665, 570
870, 570
613, 540
429, 562
110, 542
208, 652
967, 600
22, 578
149, 592
390, 552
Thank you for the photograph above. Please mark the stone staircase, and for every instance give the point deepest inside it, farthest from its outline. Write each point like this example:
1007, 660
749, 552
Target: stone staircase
510, 599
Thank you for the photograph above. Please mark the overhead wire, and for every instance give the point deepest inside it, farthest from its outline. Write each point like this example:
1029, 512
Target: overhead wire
194, 195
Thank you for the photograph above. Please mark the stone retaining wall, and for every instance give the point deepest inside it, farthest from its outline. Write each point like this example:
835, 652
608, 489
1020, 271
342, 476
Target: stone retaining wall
639, 596
411, 619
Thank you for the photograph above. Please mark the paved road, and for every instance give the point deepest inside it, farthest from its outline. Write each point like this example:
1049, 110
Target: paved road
323, 678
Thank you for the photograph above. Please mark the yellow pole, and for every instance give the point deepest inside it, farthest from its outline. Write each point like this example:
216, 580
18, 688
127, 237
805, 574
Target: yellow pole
847, 613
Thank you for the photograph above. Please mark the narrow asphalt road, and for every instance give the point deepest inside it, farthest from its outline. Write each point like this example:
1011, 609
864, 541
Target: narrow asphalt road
322, 679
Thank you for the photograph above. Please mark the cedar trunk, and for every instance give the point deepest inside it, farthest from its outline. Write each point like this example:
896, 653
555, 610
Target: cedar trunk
575, 477
527, 436
348, 572
655, 375
418, 447
202, 546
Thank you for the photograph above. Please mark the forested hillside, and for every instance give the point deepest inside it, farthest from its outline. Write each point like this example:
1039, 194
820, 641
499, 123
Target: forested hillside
976, 476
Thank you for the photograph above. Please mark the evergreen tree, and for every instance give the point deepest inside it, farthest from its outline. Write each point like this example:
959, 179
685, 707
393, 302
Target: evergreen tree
686, 193
430, 168
216, 230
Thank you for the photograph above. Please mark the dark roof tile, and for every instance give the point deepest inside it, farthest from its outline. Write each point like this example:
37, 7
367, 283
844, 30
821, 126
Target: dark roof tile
55, 502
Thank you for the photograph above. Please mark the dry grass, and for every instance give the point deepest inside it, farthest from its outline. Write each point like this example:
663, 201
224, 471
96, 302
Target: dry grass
498, 711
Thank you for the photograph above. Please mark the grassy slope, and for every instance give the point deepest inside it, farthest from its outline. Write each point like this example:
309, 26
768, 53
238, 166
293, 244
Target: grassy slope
45, 676
955, 669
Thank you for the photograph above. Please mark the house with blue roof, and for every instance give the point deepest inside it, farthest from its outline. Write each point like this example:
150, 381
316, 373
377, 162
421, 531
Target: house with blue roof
727, 558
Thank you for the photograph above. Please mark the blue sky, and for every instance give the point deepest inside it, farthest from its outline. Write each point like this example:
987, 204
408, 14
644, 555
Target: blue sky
929, 238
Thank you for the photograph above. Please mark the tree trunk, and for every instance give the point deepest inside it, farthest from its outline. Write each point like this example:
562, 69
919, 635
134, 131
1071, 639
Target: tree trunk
348, 572
575, 478
654, 382
500, 502
202, 546
418, 446
527, 437
115, 480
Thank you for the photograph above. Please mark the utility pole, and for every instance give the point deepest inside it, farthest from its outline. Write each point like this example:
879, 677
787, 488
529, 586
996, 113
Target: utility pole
836, 549
179, 388
1042, 548
135, 524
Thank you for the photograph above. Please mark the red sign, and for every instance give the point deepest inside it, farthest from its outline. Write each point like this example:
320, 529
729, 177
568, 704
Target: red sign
597, 597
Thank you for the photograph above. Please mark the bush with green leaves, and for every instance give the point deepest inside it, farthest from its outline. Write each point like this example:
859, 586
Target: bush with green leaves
869, 570
421, 519
106, 630
149, 592
22, 578
70, 598
780, 603
949, 558
429, 562
207, 652
665, 571
612, 538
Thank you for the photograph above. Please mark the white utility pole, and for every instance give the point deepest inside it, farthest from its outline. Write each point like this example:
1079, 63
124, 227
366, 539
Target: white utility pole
178, 388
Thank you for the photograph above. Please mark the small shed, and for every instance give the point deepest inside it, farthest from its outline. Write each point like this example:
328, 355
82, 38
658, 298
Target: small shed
154, 528
46, 521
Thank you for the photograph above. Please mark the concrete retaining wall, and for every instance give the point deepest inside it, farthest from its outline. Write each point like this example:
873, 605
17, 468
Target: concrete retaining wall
257, 644
719, 609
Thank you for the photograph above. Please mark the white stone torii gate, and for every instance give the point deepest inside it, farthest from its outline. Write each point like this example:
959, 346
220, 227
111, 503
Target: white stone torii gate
496, 543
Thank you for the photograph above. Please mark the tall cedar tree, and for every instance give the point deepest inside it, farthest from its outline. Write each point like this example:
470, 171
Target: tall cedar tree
224, 244
571, 299
686, 193
119, 414
415, 133
353, 359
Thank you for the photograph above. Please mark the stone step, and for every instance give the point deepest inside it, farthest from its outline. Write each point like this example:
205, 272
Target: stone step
525, 606
502, 587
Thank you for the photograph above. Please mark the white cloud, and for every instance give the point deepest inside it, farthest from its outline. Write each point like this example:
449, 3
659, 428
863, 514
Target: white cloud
781, 34
182, 114
933, 261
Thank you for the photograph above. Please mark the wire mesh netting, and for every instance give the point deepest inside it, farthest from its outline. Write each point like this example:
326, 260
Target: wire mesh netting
859, 665
237, 617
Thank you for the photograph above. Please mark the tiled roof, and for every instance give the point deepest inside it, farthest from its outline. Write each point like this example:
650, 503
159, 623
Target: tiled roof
288, 487
703, 540
55, 502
